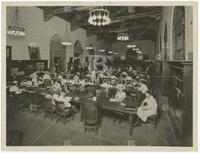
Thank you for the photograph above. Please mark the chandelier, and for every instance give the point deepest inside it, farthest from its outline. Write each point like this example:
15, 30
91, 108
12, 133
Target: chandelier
16, 28
99, 17
123, 36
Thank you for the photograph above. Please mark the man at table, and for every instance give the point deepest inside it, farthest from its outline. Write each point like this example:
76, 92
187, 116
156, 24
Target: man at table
148, 107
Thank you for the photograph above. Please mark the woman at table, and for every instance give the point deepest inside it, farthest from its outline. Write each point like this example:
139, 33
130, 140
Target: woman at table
148, 107
15, 89
57, 86
142, 86
27, 82
120, 94
15, 92
62, 98
119, 97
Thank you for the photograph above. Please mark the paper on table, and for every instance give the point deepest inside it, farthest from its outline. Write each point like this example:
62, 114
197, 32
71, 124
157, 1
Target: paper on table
114, 100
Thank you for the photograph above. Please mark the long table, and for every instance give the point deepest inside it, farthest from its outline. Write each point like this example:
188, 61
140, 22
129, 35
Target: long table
106, 105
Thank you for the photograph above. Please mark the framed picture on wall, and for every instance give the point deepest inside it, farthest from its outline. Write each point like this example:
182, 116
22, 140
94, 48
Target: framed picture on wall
34, 52
8, 53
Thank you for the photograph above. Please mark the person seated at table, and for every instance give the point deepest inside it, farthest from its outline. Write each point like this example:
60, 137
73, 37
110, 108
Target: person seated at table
52, 82
124, 75
105, 85
63, 81
46, 75
142, 86
93, 75
14, 88
60, 76
35, 81
147, 108
76, 76
65, 88
120, 94
40, 80
33, 75
61, 97
27, 82
57, 86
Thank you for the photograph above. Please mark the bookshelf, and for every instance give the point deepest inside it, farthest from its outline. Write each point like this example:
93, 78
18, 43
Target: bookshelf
183, 70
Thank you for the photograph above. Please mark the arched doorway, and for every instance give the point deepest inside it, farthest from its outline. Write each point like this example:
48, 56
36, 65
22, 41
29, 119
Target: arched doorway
178, 35
57, 54
78, 54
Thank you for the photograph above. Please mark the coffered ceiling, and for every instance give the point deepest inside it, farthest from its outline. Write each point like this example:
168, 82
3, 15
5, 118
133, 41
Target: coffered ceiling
140, 22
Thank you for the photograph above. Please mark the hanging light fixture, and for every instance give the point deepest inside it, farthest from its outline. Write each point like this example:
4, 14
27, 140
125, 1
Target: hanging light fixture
102, 50
131, 46
89, 47
16, 28
123, 36
99, 17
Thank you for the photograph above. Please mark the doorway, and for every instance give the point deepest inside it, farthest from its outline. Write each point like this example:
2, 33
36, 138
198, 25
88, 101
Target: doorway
57, 54
57, 64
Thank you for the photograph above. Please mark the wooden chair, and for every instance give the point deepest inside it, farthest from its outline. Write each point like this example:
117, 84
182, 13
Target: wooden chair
18, 101
153, 119
62, 113
49, 108
46, 82
112, 92
37, 104
91, 116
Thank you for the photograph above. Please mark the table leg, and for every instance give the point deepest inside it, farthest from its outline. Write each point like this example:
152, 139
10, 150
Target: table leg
130, 124
81, 111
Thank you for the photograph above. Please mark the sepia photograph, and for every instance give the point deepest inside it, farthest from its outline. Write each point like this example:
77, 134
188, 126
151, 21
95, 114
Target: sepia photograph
97, 74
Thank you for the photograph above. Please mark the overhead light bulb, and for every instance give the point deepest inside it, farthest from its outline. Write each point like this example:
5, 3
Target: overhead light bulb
99, 16
99, 23
90, 20
94, 17
104, 16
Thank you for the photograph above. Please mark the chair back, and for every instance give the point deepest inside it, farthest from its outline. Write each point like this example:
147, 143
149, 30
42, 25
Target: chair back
90, 113
112, 92
47, 82
60, 106
48, 103
11, 94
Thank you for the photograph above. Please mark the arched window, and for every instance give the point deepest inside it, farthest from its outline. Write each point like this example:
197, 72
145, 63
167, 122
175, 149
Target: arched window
178, 34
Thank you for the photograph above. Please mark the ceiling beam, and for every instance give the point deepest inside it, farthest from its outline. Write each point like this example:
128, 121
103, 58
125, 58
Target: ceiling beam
152, 14
125, 29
